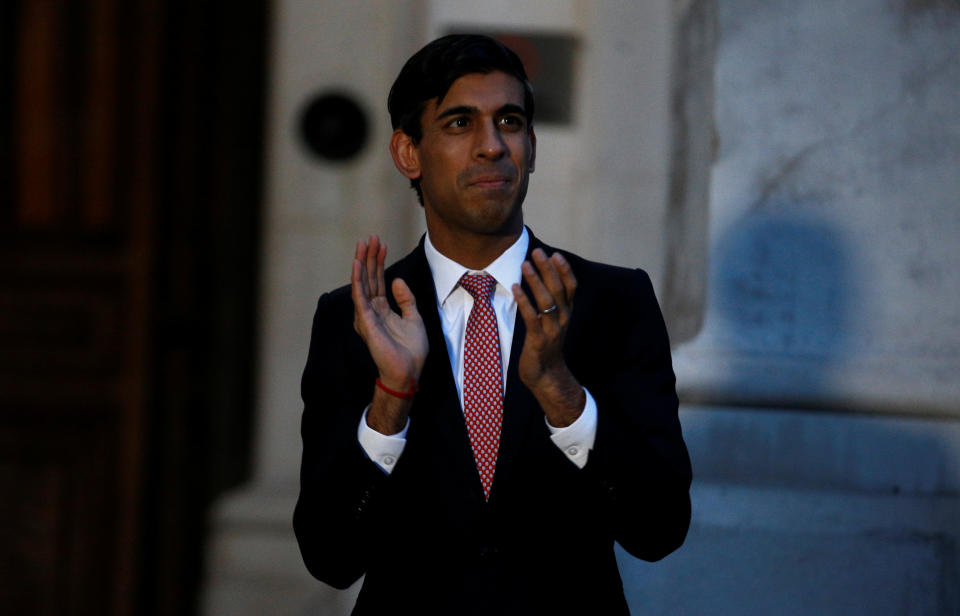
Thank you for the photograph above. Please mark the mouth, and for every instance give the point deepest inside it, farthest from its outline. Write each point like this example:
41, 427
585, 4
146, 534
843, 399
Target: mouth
491, 181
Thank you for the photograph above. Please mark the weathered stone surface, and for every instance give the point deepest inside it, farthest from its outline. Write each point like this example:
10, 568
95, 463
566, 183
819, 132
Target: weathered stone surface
765, 550
833, 209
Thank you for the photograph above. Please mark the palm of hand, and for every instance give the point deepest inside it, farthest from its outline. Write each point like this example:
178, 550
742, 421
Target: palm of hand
397, 343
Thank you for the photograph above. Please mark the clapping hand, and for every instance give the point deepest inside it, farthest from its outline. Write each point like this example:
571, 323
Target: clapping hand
542, 366
397, 342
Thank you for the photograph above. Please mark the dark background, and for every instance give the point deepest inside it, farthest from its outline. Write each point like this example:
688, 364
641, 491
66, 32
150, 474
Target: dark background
130, 185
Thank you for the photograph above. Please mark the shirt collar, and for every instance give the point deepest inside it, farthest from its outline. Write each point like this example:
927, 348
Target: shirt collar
505, 269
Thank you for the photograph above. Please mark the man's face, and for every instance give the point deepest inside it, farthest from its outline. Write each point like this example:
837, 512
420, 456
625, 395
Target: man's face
475, 157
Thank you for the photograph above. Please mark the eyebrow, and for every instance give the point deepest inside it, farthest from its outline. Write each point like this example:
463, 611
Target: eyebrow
455, 111
469, 110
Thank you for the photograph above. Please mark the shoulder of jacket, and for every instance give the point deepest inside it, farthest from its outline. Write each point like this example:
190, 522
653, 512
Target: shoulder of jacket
603, 273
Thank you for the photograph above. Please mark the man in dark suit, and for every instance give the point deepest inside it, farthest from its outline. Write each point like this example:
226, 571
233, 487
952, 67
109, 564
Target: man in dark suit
500, 412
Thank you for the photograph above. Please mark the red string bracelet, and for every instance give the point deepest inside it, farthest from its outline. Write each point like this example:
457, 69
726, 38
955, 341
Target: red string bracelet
399, 394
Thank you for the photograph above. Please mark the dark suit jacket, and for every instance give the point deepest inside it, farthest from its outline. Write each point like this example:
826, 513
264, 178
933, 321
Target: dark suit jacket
425, 537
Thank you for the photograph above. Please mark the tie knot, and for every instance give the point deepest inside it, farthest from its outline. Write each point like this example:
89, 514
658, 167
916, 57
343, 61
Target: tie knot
478, 285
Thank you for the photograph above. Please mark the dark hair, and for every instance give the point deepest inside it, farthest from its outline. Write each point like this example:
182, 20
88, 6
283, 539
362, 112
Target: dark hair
430, 73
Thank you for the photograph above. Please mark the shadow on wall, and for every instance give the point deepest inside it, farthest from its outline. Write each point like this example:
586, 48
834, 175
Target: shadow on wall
784, 290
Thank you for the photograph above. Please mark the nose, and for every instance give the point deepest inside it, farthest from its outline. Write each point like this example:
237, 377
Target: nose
489, 142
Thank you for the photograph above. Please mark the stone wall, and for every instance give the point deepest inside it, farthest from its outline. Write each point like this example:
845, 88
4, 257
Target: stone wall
822, 407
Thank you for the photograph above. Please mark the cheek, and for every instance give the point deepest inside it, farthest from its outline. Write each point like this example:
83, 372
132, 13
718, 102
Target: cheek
524, 151
444, 172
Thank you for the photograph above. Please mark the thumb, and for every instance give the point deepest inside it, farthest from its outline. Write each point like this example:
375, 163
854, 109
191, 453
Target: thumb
405, 300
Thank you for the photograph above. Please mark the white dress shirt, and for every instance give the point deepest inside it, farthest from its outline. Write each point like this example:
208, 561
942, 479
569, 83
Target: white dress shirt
454, 305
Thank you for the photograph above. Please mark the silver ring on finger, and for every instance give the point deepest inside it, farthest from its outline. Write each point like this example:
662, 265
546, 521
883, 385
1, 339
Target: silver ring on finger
549, 310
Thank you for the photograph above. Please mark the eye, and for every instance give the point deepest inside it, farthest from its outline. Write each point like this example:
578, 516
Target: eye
460, 122
512, 122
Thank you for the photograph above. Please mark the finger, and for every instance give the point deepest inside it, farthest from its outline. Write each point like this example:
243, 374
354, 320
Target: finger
373, 247
405, 299
359, 277
566, 275
364, 280
527, 312
381, 259
551, 279
361, 251
540, 292
357, 290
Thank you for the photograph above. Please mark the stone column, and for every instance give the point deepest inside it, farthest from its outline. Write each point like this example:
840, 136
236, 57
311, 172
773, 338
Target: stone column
821, 391
315, 211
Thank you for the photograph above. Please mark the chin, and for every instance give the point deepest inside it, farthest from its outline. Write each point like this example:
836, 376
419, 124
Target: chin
497, 218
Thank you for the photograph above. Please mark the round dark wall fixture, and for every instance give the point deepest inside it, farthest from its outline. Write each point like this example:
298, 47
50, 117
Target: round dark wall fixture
334, 127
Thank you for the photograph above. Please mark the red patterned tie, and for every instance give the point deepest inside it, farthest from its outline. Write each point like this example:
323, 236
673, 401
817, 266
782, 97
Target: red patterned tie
482, 382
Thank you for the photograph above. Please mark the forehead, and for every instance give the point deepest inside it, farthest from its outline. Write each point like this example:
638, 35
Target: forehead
483, 91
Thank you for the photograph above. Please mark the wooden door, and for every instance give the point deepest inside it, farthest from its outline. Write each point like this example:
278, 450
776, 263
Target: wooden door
129, 188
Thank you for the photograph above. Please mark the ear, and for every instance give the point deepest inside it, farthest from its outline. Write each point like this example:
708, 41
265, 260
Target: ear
533, 149
406, 158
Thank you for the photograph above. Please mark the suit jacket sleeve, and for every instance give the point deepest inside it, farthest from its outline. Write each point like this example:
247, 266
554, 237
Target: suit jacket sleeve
639, 465
339, 483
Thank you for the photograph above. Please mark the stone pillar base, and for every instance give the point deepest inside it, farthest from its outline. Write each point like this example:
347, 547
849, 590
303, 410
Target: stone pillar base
253, 563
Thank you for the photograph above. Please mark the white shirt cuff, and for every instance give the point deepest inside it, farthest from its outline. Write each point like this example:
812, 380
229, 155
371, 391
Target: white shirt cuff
576, 440
383, 449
